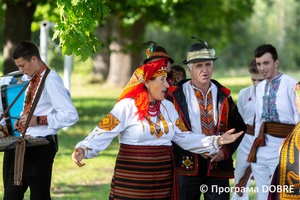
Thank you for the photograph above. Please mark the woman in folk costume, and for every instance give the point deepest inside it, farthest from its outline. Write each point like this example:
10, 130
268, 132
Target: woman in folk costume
146, 124
287, 173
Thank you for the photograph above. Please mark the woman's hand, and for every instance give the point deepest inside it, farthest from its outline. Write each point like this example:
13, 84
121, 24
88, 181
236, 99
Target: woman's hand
77, 156
227, 137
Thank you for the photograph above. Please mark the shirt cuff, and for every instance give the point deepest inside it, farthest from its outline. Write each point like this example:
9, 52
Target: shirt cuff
215, 142
42, 120
86, 150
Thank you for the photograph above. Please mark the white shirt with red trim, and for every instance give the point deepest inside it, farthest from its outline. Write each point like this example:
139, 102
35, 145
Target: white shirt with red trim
56, 104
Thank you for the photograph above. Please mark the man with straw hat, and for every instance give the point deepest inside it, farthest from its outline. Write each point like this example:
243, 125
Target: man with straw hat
206, 107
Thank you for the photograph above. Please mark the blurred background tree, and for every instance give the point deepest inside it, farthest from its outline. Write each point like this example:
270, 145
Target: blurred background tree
234, 28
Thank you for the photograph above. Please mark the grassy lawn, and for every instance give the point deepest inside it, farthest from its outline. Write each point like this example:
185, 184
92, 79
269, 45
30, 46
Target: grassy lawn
92, 181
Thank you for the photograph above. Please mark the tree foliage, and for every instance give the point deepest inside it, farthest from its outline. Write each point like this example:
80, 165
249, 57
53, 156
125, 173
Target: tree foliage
211, 20
272, 22
78, 19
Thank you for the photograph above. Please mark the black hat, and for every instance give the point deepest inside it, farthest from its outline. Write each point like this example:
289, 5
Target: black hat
155, 51
199, 52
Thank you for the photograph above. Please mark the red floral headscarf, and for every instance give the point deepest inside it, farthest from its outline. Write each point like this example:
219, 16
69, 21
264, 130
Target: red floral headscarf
135, 87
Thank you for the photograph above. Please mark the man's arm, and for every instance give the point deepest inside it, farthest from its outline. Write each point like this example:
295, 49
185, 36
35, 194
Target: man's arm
234, 121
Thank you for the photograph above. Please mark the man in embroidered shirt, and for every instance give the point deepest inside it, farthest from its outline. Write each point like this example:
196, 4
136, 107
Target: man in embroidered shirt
246, 105
207, 108
276, 115
54, 110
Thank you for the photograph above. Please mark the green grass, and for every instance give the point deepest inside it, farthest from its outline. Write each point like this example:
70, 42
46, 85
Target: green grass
92, 181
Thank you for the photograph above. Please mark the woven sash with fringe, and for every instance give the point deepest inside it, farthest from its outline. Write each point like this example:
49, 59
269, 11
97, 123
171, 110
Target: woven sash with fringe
250, 130
144, 172
275, 129
243, 182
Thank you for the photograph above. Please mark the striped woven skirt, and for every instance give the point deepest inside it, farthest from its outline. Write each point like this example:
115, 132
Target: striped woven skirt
144, 172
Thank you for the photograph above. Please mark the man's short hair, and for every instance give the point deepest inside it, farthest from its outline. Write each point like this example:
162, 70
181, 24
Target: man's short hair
190, 65
266, 48
252, 68
26, 50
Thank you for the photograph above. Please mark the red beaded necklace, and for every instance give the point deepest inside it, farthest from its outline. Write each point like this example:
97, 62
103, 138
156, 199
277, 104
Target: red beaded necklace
155, 109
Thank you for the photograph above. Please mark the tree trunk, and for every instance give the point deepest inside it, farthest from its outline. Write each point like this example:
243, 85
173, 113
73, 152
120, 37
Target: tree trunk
139, 52
101, 61
120, 61
18, 19
124, 62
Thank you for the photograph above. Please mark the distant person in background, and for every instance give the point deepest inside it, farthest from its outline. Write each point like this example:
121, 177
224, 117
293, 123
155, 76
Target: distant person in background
275, 117
176, 74
246, 107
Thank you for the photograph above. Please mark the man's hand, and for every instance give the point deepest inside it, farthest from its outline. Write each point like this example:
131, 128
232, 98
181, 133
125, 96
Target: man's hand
4, 131
17, 126
229, 137
206, 156
33, 120
218, 157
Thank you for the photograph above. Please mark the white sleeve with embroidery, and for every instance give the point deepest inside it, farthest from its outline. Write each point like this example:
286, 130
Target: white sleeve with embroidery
196, 143
110, 126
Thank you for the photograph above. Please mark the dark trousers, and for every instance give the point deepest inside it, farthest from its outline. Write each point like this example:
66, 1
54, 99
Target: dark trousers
8, 159
37, 173
189, 187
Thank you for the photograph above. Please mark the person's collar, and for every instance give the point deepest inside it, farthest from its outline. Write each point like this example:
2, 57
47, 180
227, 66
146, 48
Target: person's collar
211, 86
277, 77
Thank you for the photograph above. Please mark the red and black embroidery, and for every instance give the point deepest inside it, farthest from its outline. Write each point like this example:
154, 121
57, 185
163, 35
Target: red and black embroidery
34, 83
43, 120
187, 162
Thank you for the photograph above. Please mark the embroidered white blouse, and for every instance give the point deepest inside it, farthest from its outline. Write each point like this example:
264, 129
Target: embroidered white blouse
123, 121
286, 108
246, 108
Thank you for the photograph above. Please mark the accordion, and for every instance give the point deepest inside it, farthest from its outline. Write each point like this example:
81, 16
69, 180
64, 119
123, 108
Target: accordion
9, 142
8, 94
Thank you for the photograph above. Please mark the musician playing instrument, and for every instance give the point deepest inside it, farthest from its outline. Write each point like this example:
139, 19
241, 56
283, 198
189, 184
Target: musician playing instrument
54, 110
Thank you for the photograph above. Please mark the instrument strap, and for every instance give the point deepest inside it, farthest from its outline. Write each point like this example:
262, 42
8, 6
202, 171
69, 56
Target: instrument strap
21, 144
35, 101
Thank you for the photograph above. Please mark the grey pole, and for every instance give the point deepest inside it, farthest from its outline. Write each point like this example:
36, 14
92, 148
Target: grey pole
44, 34
68, 60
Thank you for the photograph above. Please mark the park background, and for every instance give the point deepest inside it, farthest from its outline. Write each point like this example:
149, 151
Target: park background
233, 28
